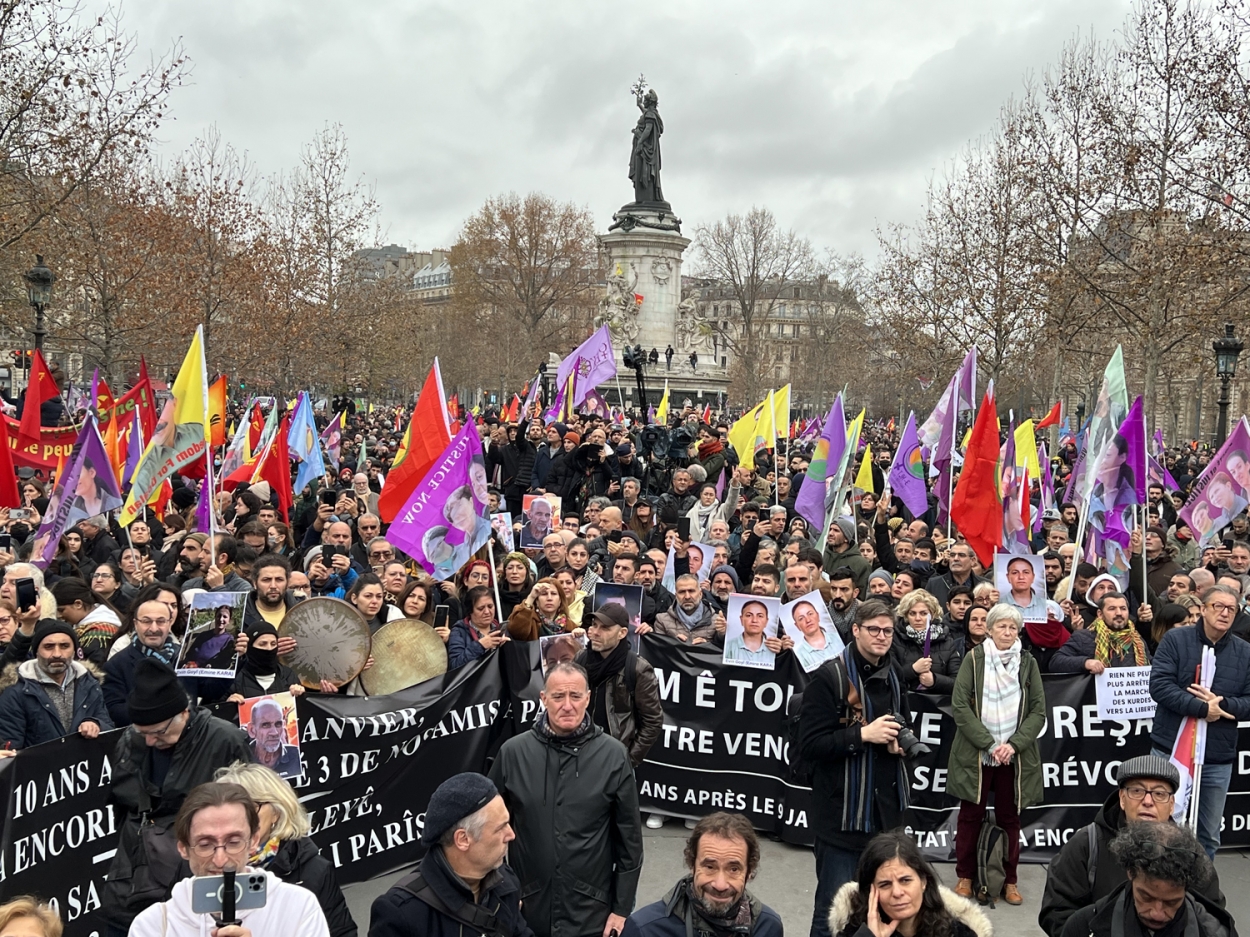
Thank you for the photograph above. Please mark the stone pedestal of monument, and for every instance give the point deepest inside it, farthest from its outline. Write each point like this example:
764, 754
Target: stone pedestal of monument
644, 246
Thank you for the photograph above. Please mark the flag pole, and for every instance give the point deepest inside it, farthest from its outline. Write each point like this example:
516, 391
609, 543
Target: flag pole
494, 576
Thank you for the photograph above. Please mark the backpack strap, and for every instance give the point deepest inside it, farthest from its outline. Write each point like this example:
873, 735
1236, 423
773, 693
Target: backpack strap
473, 916
1092, 832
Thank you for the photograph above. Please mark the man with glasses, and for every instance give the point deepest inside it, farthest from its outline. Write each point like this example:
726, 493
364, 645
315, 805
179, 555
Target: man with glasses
1177, 696
847, 728
368, 526
960, 560
570, 789
216, 830
171, 748
1086, 870
153, 639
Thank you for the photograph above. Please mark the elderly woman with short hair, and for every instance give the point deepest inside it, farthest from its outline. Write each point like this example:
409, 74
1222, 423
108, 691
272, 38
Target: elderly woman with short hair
999, 707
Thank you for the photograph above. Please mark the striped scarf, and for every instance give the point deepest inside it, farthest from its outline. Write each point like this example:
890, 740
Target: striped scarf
1111, 646
1000, 694
857, 780
165, 653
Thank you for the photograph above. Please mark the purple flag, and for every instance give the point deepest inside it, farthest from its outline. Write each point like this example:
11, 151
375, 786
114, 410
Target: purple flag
204, 508
134, 452
594, 362
810, 502
1222, 491
332, 438
445, 519
1015, 534
1046, 487
906, 478
1157, 473
88, 488
595, 404
1120, 478
938, 432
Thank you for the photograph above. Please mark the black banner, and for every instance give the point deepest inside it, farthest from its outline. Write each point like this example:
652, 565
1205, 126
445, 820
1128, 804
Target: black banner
371, 765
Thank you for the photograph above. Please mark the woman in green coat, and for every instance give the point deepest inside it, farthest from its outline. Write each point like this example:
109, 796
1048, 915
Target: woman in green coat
1000, 709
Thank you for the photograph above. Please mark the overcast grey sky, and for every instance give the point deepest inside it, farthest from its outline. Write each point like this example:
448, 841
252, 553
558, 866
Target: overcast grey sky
832, 114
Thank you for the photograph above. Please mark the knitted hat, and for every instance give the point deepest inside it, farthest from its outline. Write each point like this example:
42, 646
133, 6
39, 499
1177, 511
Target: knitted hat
1148, 766
883, 576
847, 526
156, 696
199, 538
461, 795
728, 571
183, 498
50, 626
573, 436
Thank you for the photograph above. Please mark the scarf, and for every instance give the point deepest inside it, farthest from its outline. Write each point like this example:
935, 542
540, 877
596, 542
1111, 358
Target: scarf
710, 448
691, 620
1109, 643
936, 632
1000, 693
1046, 634
542, 725
256, 661
857, 782
265, 854
165, 653
740, 919
557, 625
600, 669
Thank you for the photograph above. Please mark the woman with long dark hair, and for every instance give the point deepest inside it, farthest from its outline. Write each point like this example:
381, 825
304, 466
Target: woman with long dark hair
896, 892
95, 621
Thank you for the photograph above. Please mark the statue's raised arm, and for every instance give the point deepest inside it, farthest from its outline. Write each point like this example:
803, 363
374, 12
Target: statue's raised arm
644, 160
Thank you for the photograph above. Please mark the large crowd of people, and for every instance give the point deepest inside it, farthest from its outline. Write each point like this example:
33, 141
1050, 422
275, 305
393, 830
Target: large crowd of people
549, 838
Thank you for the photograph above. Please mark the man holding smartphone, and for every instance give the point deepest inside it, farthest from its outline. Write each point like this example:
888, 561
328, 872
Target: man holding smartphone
217, 829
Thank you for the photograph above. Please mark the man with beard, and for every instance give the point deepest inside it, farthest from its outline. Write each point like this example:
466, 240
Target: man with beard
722, 584
1111, 641
661, 600
269, 601
267, 735
691, 618
765, 580
844, 601
723, 855
53, 695
842, 550
1053, 566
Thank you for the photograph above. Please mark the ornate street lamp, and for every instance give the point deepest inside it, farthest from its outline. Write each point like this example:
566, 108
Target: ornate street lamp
1227, 350
39, 280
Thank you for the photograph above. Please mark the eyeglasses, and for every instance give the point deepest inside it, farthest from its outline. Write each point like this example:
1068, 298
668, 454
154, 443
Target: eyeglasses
1158, 796
104, 575
206, 849
877, 631
155, 733
381, 554
1221, 609
149, 622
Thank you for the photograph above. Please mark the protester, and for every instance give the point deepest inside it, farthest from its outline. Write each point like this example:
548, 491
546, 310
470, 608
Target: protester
722, 856
1165, 866
570, 789
26, 917
692, 618
923, 650
895, 890
1111, 641
842, 741
464, 880
52, 695
170, 748
95, 621
625, 697
217, 827
477, 634
999, 706
260, 672
1086, 869
1177, 696
283, 846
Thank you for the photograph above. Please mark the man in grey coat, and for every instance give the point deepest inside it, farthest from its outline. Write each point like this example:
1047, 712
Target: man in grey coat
570, 789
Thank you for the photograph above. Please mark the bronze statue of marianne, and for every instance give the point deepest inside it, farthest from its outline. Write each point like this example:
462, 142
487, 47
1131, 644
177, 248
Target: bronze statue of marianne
644, 161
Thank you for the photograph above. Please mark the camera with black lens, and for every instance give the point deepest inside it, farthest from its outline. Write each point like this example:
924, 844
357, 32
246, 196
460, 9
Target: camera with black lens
912, 747
654, 440
679, 442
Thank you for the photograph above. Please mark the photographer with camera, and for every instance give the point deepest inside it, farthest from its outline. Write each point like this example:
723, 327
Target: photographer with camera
856, 745
999, 707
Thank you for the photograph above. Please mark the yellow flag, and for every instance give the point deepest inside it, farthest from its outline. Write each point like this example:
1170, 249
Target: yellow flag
742, 436
852, 441
781, 410
766, 425
1026, 450
190, 388
661, 412
863, 481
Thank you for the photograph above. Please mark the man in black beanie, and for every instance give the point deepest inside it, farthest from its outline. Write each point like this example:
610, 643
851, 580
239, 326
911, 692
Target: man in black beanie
464, 880
52, 695
170, 749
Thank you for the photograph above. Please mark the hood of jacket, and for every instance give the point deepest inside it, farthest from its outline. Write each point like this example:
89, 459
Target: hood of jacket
26, 671
961, 909
1110, 816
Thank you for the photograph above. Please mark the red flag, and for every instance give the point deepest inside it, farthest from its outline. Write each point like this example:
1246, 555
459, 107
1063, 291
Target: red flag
255, 428
9, 496
41, 387
453, 409
428, 437
277, 468
977, 508
217, 411
104, 402
1053, 418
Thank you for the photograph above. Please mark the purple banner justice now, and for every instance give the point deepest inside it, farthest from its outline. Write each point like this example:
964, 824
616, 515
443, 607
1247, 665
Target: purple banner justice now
88, 488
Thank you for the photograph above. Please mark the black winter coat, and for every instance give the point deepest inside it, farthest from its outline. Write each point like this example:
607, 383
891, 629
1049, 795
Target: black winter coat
27, 716
578, 846
299, 862
1096, 920
945, 650
247, 686
206, 744
1067, 877
119, 675
400, 913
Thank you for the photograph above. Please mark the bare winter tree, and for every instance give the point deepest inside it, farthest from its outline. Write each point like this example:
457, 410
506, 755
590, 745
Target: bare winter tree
761, 265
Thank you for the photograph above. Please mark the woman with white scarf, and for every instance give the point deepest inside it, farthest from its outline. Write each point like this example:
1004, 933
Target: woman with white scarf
1000, 708
707, 509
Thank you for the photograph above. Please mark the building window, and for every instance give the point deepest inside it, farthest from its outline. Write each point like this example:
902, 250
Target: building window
796, 329
781, 310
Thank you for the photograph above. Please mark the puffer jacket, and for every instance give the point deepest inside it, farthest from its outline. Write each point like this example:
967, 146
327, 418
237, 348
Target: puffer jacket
578, 846
299, 862
970, 921
943, 648
1068, 886
635, 723
669, 625
27, 714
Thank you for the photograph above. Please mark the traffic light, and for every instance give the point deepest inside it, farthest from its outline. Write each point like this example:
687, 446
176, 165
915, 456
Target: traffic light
23, 359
